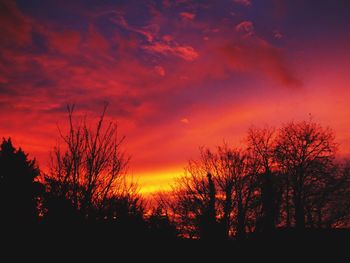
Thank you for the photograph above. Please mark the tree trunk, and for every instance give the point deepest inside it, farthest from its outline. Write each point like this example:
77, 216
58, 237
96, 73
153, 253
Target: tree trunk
288, 224
268, 203
227, 212
240, 222
299, 212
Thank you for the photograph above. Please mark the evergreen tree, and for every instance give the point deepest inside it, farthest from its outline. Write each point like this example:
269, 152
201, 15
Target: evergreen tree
19, 191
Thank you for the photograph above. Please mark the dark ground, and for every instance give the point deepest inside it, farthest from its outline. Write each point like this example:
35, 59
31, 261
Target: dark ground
99, 243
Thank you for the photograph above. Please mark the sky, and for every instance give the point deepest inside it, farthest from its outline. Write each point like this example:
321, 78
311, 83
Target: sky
177, 74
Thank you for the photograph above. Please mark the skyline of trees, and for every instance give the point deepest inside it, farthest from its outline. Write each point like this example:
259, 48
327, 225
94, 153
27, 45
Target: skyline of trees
285, 178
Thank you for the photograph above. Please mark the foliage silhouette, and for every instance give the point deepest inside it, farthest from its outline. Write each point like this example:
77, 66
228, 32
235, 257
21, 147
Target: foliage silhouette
19, 190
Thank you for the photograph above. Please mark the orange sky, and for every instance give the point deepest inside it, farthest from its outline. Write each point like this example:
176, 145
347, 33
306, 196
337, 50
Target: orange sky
177, 74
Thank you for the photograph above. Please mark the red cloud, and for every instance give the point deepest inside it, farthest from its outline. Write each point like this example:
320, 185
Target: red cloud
160, 70
96, 40
246, 27
256, 54
166, 46
187, 16
277, 34
148, 31
185, 52
243, 2
66, 41
15, 28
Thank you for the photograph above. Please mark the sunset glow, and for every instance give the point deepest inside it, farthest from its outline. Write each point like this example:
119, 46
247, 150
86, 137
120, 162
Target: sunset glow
177, 74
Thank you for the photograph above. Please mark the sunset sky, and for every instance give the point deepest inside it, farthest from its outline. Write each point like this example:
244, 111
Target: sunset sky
177, 74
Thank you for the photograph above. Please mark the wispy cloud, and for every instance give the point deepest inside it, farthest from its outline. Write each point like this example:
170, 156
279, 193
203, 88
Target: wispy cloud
245, 27
256, 54
187, 16
15, 27
187, 53
243, 2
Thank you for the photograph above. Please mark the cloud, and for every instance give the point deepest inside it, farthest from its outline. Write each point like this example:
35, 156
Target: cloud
187, 16
15, 27
96, 41
66, 41
256, 54
164, 45
160, 70
277, 34
243, 2
167, 38
185, 121
149, 31
187, 53
245, 27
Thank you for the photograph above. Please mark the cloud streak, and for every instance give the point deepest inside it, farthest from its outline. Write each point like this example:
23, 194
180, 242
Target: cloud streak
258, 55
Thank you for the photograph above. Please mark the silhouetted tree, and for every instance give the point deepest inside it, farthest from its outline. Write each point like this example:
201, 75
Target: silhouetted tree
217, 193
237, 182
306, 151
19, 190
124, 216
58, 208
287, 177
125, 204
195, 201
89, 168
261, 144
328, 204
207, 219
160, 224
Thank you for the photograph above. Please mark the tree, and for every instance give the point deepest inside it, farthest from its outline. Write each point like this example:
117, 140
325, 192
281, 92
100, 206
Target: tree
19, 189
160, 224
306, 151
124, 205
329, 199
89, 168
261, 144
124, 213
195, 201
215, 196
285, 178
237, 181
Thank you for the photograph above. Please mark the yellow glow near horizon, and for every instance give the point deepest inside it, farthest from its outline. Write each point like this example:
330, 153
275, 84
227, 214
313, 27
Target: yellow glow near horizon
156, 181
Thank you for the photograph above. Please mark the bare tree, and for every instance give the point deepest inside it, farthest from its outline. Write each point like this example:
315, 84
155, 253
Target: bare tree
306, 150
261, 144
329, 198
215, 195
237, 182
194, 199
90, 166
287, 177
